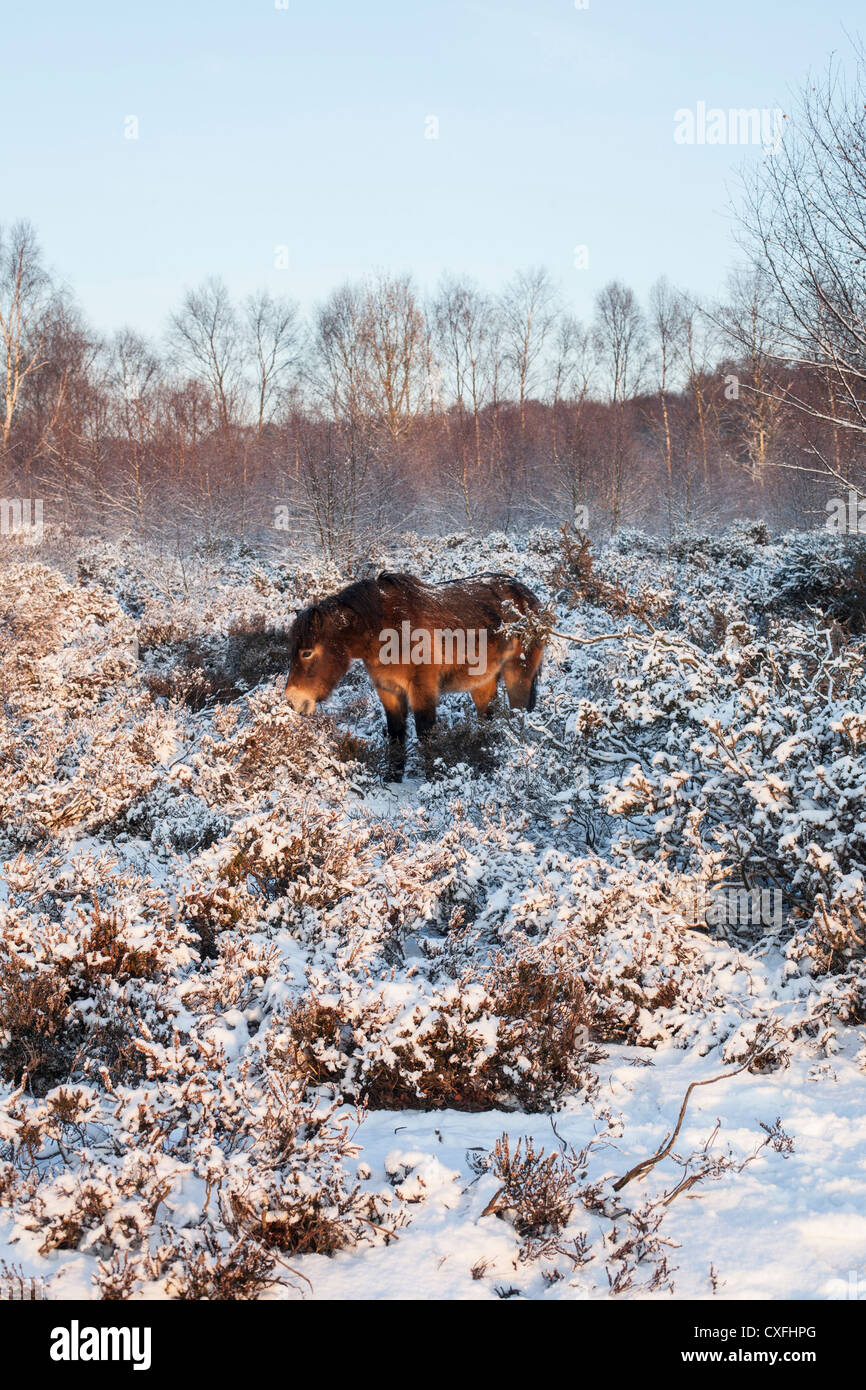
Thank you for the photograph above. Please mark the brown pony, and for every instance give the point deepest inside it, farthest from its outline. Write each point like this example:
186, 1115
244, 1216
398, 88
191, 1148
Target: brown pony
417, 641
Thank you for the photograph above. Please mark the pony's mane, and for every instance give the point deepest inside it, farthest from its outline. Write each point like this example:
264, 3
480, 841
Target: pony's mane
358, 605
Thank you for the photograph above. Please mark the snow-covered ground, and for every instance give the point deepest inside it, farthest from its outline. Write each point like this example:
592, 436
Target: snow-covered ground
271, 1026
790, 1227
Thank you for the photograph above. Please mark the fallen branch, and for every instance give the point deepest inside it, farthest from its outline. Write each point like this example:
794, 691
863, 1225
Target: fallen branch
648, 1163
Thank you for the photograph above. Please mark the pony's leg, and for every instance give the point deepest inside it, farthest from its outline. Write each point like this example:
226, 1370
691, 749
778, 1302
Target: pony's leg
424, 697
483, 695
396, 709
521, 680
425, 718
424, 711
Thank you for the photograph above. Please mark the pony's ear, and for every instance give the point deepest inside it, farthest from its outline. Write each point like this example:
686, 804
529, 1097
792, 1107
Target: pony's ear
313, 621
306, 624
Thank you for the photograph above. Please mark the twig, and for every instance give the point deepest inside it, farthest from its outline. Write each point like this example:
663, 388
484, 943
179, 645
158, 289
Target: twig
646, 1164
626, 632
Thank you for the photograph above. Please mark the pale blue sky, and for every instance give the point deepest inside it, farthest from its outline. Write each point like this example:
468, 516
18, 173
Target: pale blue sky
305, 127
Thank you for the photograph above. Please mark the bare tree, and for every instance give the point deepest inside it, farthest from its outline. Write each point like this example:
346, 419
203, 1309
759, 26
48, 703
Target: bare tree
619, 338
66, 405
135, 376
527, 313
667, 329
463, 334
340, 369
274, 341
396, 353
571, 371
528, 308
206, 338
805, 224
746, 319
187, 417
25, 309
337, 489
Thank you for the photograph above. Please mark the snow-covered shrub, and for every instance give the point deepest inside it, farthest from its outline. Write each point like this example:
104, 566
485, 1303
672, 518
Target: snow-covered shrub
79, 739
85, 962
201, 670
222, 931
580, 582
514, 1036
298, 1199
211, 1268
753, 772
470, 1047
820, 571
537, 1189
253, 750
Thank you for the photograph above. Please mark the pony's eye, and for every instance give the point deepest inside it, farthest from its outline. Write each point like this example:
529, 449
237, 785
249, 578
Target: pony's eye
305, 656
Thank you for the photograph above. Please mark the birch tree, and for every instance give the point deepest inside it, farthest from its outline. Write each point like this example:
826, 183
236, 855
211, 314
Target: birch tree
25, 310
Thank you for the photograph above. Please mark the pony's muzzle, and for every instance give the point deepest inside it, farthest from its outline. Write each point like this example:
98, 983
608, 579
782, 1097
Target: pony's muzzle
300, 702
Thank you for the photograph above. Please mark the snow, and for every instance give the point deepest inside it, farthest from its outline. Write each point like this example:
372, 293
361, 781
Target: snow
277, 973
784, 1228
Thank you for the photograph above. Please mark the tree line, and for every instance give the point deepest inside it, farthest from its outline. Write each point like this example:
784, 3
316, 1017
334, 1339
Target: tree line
386, 409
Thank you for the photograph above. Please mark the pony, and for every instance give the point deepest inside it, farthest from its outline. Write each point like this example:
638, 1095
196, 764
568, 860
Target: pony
417, 642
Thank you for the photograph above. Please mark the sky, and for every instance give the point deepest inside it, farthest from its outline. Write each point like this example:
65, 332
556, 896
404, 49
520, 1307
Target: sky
296, 144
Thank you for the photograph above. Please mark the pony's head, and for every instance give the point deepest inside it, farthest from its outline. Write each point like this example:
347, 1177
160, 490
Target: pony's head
319, 657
